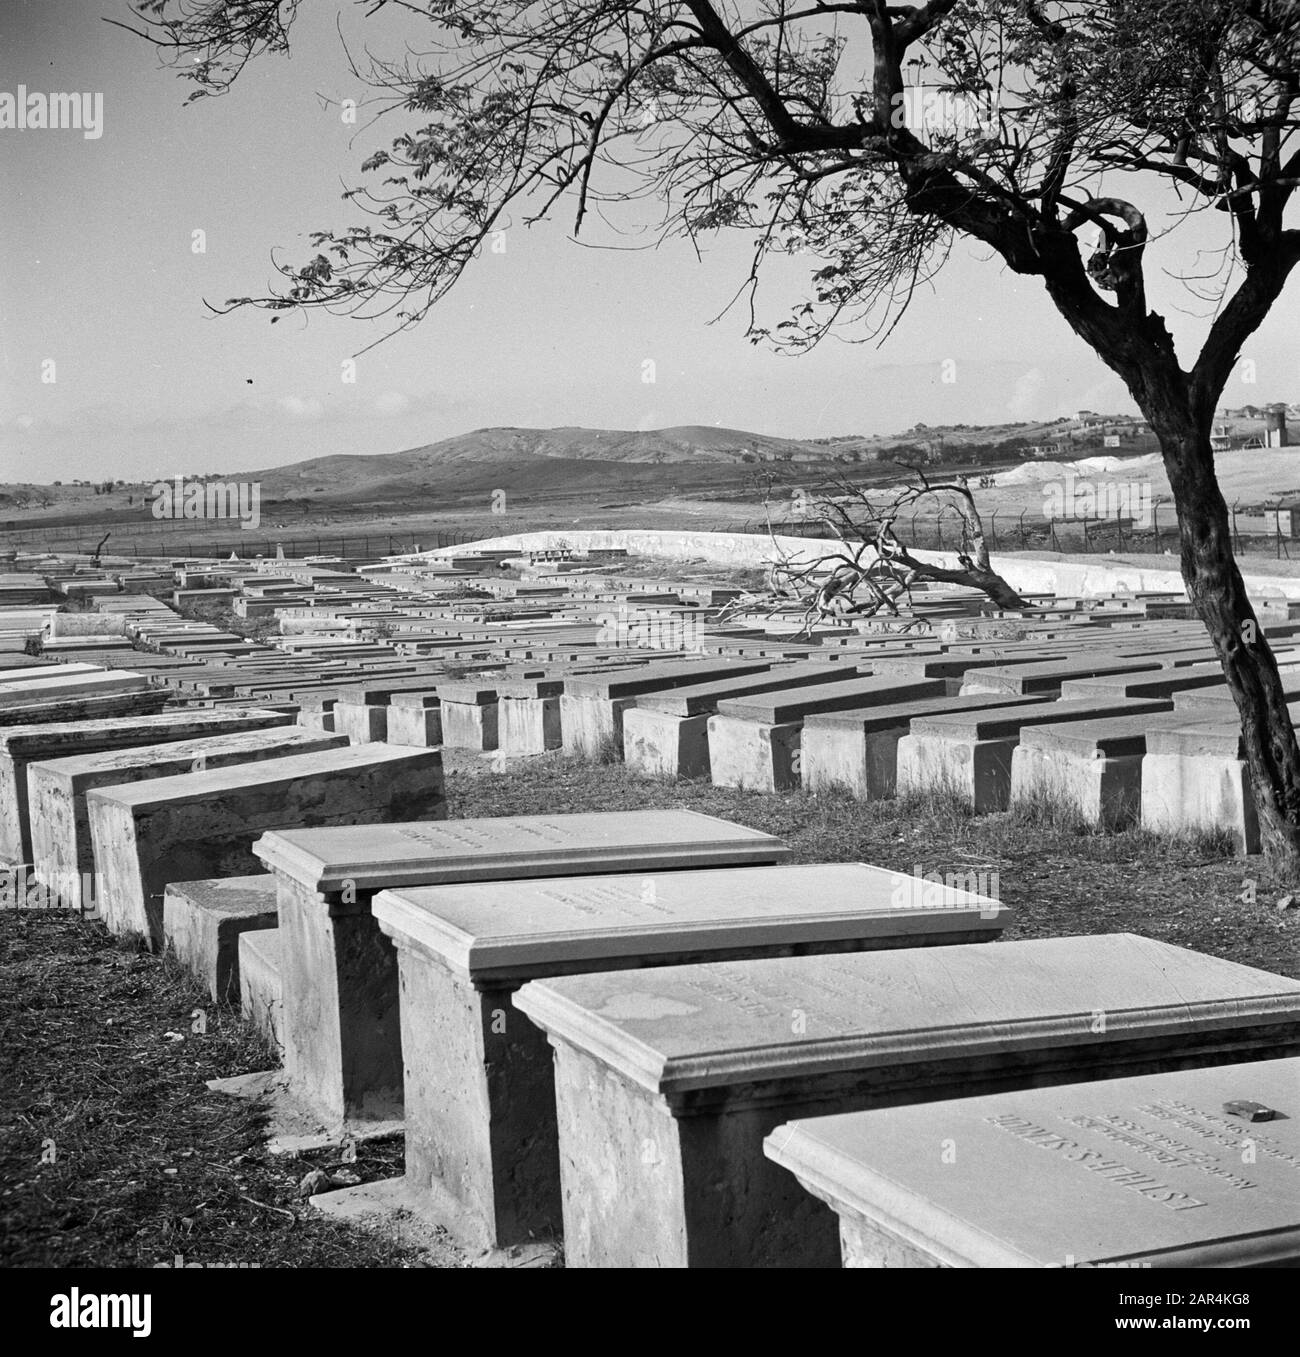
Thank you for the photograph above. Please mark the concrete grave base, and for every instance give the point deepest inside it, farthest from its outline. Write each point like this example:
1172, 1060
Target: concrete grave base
361, 722
469, 725
418, 726
754, 755
659, 744
528, 725
341, 1034
1181, 794
666, 1080
260, 1001
844, 758
204, 920
1104, 791
593, 726
978, 771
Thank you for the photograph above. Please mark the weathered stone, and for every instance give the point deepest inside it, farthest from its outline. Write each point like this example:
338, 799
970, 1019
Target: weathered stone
56, 789
23, 745
1195, 778
202, 825
1149, 1172
755, 742
204, 920
480, 1106
341, 1027
970, 756
415, 719
856, 751
259, 982
668, 1080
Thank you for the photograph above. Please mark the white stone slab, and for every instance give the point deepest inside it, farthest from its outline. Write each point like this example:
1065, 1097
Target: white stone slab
1140, 1172
430, 852
488, 929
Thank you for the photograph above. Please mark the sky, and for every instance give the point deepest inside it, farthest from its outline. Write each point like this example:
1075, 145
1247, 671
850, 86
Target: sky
111, 364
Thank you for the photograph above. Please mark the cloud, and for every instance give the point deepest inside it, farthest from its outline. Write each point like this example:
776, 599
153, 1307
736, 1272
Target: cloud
25, 421
392, 403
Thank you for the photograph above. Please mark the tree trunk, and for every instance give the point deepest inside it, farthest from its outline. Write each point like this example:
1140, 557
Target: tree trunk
1215, 587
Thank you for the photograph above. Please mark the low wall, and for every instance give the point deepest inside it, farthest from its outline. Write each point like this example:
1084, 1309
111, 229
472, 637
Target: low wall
1028, 574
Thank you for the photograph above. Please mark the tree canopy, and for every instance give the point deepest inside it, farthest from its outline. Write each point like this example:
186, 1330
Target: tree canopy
864, 132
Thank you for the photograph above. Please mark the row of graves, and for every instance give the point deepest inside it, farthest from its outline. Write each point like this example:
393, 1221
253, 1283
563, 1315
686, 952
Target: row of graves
649, 1038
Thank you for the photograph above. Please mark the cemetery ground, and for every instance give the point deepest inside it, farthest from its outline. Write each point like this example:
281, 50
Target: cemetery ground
118, 1155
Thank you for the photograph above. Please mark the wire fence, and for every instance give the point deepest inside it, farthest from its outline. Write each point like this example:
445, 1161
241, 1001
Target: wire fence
1024, 531
357, 546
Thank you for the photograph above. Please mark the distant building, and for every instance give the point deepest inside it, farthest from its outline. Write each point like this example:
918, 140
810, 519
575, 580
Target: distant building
1283, 518
1275, 430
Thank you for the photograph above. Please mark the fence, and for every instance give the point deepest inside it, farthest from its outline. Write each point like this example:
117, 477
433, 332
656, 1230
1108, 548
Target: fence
923, 532
354, 546
1026, 531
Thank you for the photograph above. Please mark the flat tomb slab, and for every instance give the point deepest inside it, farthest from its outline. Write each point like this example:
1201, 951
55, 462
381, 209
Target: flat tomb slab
201, 825
1114, 737
56, 789
1003, 723
778, 708
379, 857
1141, 1172
698, 698
1049, 677
22, 745
668, 1079
857, 750
651, 677
480, 1106
1157, 683
342, 1039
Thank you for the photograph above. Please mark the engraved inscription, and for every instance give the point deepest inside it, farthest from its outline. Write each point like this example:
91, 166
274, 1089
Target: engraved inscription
1114, 1171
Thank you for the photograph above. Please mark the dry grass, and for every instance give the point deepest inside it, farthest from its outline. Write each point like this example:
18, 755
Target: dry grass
113, 1153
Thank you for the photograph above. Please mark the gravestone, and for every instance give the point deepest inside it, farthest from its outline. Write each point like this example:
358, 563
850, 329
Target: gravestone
481, 1152
202, 825
342, 1038
203, 922
1195, 1168
969, 756
23, 745
56, 789
755, 742
668, 1080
